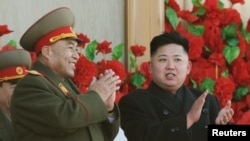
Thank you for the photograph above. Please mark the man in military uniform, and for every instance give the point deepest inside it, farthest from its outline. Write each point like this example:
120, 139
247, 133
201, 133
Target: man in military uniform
46, 105
13, 66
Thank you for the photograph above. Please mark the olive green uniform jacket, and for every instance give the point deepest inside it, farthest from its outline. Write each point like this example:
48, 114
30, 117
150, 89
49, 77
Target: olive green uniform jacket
6, 132
46, 108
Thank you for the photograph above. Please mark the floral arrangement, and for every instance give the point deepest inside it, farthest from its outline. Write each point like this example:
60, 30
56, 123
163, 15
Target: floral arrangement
89, 66
219, 51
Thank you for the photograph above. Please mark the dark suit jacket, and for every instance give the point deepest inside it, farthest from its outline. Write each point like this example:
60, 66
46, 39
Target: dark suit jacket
150, 115
6, 131
46, 108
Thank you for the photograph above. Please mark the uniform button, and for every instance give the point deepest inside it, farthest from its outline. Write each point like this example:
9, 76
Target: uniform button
205, 111
165, 112
175, 129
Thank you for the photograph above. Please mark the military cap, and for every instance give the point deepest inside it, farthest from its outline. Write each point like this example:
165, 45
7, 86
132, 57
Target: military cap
54, 26
13, 63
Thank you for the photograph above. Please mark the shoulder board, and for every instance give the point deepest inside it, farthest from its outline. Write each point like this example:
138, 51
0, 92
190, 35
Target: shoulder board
34, 72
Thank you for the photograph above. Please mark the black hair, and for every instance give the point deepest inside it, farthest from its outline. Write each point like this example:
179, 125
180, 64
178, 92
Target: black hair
168, 38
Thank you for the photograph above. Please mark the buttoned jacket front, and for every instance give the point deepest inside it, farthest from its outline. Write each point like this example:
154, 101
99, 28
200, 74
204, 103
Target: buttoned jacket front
149, 115
46, 108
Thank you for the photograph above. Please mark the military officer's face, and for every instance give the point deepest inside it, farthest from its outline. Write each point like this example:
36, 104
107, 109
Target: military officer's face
6, 91
63, 57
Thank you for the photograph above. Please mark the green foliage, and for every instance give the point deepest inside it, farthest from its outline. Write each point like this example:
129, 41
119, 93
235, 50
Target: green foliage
207, 84
229, 31
240, 92
231, 53
172, 17
90, 50
193, 83
196, 2
197, 30
117, 51
221, 4
12, 43
233, 41
137, 79
225, 73
245, 34
200, 12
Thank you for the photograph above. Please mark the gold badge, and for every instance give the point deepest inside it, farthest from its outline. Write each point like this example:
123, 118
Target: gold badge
19, 70
64, 90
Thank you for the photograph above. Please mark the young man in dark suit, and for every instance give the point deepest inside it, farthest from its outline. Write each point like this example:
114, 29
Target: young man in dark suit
168, 110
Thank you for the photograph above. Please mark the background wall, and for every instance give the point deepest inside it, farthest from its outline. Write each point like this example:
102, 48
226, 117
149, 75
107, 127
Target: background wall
99, 19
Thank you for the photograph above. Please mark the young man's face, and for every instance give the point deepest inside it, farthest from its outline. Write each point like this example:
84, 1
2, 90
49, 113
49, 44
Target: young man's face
63, 56
6, 91
169, 67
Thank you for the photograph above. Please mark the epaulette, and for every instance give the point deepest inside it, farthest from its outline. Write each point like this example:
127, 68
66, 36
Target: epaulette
34, 72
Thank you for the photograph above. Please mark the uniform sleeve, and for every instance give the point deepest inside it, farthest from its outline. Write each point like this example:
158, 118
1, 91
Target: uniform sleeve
44, 109
111, 129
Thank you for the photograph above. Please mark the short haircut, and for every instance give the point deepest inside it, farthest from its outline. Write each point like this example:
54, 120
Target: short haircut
165, 38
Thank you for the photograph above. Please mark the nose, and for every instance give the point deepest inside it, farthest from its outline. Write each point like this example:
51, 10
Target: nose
169, 64
76, 55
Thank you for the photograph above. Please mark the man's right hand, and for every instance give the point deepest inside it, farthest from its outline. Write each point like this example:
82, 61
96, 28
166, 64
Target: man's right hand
195, 112
106, 84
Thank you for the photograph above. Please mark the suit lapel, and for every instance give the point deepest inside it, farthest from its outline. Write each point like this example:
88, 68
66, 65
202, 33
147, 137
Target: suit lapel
164, 98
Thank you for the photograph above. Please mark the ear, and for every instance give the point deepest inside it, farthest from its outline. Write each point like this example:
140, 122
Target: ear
189, 67
150, 66
46, 51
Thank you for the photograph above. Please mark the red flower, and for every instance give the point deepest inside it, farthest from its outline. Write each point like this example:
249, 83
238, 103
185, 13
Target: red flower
187, 15
201, 69
245, 119
84, 73
217, 59
237, 1
242, 45
174, 5
213, 39
115, 65
239, 109
196, 44
138, 50
239, 71
84, 39
104, 47
224, 88
144, 69
8, 47
248, 25
230, 16
4, 30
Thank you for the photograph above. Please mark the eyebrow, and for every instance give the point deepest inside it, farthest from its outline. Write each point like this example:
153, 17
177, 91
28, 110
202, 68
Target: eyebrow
163, 55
